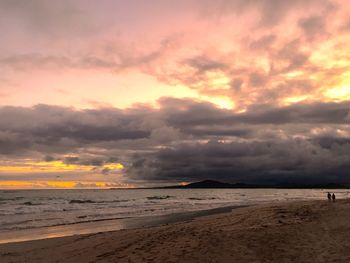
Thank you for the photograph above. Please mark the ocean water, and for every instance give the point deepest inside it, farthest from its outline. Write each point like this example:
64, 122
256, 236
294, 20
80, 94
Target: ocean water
28, 209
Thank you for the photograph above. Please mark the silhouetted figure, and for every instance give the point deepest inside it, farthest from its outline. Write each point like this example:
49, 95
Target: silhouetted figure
329, 196
333, 197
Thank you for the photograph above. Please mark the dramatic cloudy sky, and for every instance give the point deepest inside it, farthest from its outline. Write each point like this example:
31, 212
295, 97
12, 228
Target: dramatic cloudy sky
139, 93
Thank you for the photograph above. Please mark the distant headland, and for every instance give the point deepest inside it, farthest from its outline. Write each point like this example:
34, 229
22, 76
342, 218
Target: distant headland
206, 184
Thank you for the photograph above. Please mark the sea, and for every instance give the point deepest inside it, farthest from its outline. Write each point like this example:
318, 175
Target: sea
35, 214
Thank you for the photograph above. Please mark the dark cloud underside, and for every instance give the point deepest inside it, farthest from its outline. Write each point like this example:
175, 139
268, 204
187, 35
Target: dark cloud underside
188, 140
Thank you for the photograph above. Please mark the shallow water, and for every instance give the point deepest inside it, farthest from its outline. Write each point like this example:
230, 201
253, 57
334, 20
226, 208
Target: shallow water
104, 225
27, 209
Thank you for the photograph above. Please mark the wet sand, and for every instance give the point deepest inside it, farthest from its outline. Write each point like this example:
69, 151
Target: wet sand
105, 225
309, 231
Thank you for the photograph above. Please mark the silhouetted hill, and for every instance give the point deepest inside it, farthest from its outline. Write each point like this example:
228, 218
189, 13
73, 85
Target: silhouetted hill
213, 184
217, 184
207, 184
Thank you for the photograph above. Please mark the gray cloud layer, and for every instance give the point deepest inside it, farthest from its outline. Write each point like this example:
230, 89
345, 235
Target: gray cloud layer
186, 140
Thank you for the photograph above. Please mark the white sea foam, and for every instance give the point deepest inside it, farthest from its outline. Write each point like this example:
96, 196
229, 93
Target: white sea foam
40, 208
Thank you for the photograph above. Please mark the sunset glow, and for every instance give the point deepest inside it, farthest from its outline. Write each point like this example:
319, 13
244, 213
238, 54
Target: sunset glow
58, 185
54, 166
153, 92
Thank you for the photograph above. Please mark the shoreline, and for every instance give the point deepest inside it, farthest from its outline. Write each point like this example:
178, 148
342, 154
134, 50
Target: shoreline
105, 225
300, 231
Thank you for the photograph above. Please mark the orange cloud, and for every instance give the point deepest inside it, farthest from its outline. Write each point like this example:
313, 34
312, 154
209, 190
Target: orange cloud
53, 167
60, 184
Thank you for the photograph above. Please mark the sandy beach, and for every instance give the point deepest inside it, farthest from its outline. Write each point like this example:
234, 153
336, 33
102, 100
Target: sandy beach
308, 231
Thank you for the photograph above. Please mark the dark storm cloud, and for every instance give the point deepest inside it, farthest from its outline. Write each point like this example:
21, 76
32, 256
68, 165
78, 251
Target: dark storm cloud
333, 142
88, 161
49, 158
206, 131
11, 143
207, 114
264, 162
51, 126
299, 113
45, 126
187, 140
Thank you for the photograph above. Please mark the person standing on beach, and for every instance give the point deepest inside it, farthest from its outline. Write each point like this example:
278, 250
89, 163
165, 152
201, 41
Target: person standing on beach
333, 197
329, 196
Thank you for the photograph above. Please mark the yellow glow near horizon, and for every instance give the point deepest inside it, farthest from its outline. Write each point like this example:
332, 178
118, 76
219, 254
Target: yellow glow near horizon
113, 166
338, 93
222, 102
293, 74
218, 79
59, 184
294, 99
54, 166
339, 88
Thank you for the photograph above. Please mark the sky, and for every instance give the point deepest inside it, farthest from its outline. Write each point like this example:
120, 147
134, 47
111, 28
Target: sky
99, 94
